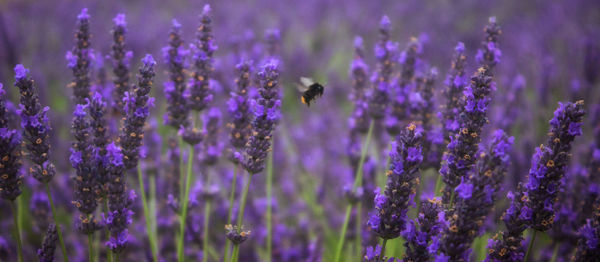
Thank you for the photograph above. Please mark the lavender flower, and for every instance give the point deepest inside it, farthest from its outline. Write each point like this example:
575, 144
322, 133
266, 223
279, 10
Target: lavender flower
588, 246
239, 111
389, 218
137, 108
489, 54
39, 206
273, 39
236, 236
87, 189
475, 198
120, 61
99, 128
266, 113
200, 89
401, 104
119, 201
455, 82
36, 127
378, 97
80, 57
174, 55
506, 246
11, 179
460, 154
359, 119
549, 163
591, 62
46, 253
420, 232
431, 139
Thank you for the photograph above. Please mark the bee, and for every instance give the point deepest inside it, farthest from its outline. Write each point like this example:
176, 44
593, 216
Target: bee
310, 90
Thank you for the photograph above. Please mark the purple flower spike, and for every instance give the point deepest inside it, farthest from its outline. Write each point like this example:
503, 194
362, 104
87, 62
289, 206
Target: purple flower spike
36, 127
79, 59
203, 49
121, 58
385, 51
389, 218
420, 232
489, 54
455, 82
137, 110
239, 111
175, 56
588, 247
266, 114
475, 197
46, 253
11, 179
549, 164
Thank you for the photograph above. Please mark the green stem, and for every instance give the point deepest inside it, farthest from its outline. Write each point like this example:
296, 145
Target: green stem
358, 239
438, 185
109, 256
235, 253
91, 247
240, 219
184, 201
153, 212
269, 200
206, 223
357, 182
147, 214
555, 252
451, 198
530, 246
58, 229
382, 254
231, 199
17, 231
340, 246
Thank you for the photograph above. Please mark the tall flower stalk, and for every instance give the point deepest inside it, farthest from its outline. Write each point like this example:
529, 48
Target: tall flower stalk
137, 109
241, 128
120, 62
549, 164
79, 59
36, 134
87, 188
266, 115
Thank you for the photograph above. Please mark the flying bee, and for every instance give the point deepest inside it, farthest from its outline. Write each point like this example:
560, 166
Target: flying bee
310, 90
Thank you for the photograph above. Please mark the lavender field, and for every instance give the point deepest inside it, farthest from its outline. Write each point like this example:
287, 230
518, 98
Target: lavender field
180, 131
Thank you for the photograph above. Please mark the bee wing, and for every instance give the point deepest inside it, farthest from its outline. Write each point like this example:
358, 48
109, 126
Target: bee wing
306, 81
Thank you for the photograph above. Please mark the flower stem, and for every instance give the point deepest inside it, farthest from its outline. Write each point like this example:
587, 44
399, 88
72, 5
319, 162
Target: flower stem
358, 239
240, 218
231, 199
269, 202
184, 201
438, 186
340, 246
357, 182
147, 214
153, 212
206, 223
530, 246
382, 254
555, 252
17, 232
109, 256
58, 229
91, 247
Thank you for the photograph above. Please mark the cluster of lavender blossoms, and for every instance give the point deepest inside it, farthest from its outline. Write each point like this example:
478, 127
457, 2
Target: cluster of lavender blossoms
11, 179
389, 218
